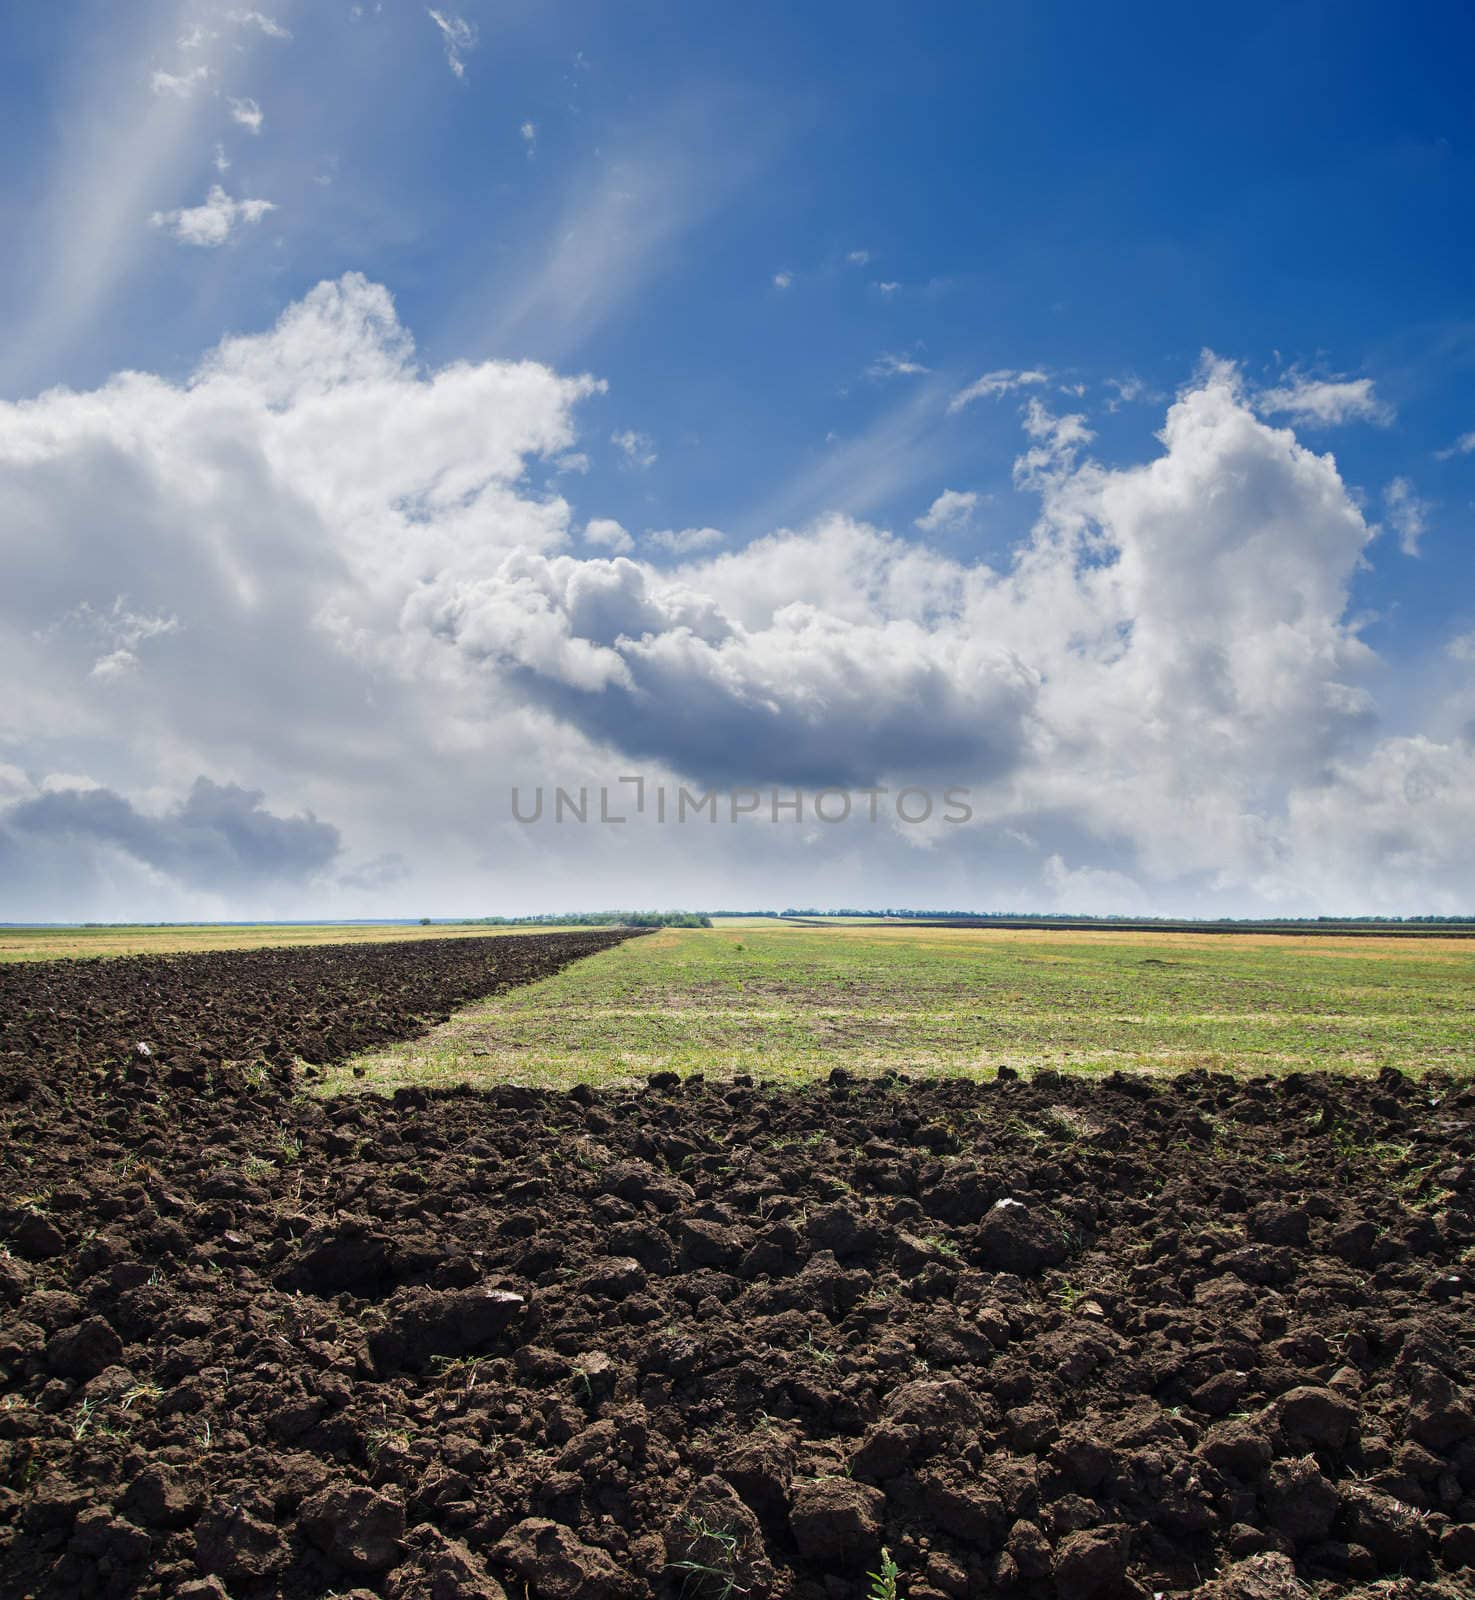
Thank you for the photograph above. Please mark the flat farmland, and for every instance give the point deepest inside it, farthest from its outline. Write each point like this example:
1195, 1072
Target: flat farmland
52, 942
790, 1002
815, 1332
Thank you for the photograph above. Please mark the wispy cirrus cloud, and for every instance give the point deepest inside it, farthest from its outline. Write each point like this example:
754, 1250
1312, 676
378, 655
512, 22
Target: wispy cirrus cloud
890, 365
621, 223
459, 37
180, 84
995, 383
258, 19
1324, 402
686, 541
638, 449
133, 139
899, 449
1408, 514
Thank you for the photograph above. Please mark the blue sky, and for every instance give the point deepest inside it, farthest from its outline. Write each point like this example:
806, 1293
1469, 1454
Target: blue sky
936, 276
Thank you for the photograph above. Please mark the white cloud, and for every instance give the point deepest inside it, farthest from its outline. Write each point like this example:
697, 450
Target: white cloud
1462, 647
685, 541
220, 161
459, 37
281, 505
783, 280
639, 448
609, 535
858, 258
1160, 692
889, 365
114, 664
212, 223
1324, 402
529, 133
995, 383
1092, 891
1057, 441
180, 84
950, 512
888, 289
68, 783
256, 19
1127, 391
247, 113
1463, 446
118, 633
1408, 514
110, 161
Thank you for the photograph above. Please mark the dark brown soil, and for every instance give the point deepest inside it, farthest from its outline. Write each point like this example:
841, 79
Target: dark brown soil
232, 1019
1040, 1339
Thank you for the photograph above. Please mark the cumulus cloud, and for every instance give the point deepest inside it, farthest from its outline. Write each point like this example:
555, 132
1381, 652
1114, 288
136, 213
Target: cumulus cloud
1463, 446
783, 280
995, 383
380, 619
529, 133
609, 535
1160, 628
458, 36
888, 289
246, 112
858, 258
662, 670
950, 512
282, 504
1408, 514
210, 224
1092, 891
1324, 402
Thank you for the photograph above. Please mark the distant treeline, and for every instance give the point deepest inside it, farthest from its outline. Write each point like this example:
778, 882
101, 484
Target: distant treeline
600, 919
1079, 917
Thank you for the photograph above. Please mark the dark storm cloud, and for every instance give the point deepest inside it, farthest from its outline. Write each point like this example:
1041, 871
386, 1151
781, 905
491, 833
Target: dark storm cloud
219, 836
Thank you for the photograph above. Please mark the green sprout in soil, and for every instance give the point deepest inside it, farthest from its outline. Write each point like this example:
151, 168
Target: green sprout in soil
884, 1579
709, 1567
